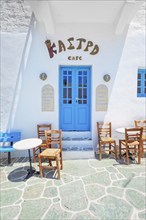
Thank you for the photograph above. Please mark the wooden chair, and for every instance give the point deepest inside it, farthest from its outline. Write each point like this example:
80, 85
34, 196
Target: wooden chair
53, 137
41, 134
142, 124
105, 140
132, 142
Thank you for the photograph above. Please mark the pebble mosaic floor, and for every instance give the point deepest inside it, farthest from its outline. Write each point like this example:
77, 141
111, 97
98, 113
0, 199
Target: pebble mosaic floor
89, 189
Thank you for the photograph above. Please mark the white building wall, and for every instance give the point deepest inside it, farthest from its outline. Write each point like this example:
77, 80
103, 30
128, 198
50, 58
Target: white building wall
12, 46
121, 63
29, 105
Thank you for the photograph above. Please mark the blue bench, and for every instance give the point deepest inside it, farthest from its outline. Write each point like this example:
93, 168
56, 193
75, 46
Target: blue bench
7, 139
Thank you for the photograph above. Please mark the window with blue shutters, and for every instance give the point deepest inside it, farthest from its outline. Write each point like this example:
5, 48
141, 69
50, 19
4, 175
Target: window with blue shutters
141, 82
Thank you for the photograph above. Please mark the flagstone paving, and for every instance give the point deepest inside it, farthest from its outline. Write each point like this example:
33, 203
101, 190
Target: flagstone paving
89, 189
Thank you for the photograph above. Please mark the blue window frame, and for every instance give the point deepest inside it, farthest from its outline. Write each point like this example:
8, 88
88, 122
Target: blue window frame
141, 82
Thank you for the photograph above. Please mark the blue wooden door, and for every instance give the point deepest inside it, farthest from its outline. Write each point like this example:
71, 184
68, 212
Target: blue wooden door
75, 92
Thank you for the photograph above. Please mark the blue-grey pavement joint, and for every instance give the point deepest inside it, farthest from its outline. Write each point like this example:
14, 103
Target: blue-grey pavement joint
88, 189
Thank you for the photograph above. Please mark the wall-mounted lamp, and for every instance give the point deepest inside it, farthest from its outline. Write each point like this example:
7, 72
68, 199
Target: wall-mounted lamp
106, 77
43, 76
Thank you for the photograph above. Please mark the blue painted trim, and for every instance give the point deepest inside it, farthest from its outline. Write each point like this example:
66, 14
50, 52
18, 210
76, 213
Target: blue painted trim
142, 81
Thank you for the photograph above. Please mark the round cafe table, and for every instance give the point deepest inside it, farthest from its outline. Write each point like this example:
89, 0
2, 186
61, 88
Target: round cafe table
28, 144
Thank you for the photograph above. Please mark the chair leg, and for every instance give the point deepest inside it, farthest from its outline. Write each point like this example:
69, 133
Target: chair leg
50, 163
127, 155
34, 155
142, 149
120, 149
58, 167
115, 150
139, 154
40, 149
109, 148
61, 163
100, 152
135, 151
40, 166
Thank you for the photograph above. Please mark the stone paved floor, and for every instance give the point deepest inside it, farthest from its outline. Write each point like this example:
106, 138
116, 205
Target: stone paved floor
89, 189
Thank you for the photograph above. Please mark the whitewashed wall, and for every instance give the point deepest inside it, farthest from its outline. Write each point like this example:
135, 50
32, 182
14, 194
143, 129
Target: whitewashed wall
12, 46
119, 60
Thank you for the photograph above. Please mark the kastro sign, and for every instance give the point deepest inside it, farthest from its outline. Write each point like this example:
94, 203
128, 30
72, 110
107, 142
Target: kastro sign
72, 44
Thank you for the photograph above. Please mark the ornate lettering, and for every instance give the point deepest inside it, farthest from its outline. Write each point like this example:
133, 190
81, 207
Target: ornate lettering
89, 44
71, 46
95, 50
50, 48
61, 46
75, 58
81, 40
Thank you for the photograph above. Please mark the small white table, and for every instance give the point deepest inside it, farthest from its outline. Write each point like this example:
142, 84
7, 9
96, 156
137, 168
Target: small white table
28, 144
121, 130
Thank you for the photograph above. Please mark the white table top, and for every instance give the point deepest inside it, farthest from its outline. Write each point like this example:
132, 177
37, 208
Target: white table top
27, 144
121, 130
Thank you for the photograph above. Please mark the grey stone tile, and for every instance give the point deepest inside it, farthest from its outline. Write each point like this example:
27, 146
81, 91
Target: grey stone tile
94, 191
138, 183
142, 215
115, 191
77, 168
66, 178
73, 196
103, 163
50, 192
83, 216
3, 177
8, 213
34, 209
57, 213
10, 196
33, 191
110, 207
101, 178
138, 200
9, 184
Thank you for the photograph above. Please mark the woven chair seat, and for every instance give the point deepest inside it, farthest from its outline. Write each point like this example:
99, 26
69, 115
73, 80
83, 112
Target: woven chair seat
107, 139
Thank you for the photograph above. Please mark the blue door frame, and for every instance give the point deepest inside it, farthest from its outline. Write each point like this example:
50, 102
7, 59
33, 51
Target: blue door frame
75, 98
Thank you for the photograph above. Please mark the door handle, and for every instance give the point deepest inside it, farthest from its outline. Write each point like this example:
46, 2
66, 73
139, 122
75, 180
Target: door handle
77, 99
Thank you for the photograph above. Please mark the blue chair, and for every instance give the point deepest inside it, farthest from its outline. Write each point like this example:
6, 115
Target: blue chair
7, 139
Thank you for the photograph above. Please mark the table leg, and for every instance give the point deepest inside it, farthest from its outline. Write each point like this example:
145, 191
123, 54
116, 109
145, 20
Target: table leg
30, 170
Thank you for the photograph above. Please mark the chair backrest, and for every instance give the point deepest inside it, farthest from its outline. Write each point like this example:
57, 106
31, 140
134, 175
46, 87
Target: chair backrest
41, 130
140, 124
133, 134
104, 129
10, 137
53, 137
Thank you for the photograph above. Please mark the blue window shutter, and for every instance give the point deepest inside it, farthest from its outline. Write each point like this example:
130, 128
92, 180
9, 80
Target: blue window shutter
141, 82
